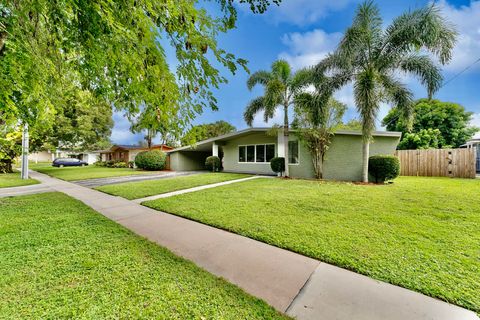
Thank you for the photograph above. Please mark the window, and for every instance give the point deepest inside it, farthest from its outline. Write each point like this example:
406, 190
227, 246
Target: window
241, 154
258, 153
250, 153
269, 152
293, 152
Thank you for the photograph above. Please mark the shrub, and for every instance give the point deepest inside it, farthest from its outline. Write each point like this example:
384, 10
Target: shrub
100, 164
213, 163
120, 164
151, 160
383, 167
131, 164
109, 163
278, 164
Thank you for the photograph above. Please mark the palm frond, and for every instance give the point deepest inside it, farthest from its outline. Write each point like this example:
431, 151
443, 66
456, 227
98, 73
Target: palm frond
422, 28
281, 70
301, 79
260, 77
398, 94
255, 106
425, 69
367, 98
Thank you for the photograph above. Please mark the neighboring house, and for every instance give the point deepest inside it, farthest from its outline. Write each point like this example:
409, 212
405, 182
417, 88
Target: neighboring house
126, 153
475, 143
251, 150
48, 156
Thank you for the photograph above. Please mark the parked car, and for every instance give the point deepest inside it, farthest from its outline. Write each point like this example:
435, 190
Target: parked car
68, 162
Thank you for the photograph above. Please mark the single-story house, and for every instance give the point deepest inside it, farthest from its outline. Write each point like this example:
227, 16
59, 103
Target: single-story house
250, 151
126, 153
47, 155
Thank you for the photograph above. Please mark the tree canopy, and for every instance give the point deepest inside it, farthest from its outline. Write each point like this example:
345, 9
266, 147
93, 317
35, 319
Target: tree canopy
114, 53
436, 124
371, 56
207, 131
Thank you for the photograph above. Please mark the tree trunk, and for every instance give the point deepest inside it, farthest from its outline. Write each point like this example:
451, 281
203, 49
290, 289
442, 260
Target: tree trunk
366, 154
285, 139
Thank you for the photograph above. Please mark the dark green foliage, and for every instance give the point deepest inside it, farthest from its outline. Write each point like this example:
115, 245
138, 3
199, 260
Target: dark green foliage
207, 131
151, 160
383, 167
213, 163
278, 164
436, 124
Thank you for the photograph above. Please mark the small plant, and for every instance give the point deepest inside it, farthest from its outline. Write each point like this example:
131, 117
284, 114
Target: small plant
151, 160
120, 164
100, 164
383, 168
213, 163
278, 164
109, 163
131, 164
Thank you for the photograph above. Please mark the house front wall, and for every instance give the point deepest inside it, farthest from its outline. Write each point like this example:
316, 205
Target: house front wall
343, 160
230, 154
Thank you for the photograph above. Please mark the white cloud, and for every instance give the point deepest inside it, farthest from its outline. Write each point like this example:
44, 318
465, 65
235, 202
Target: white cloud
121, 133
466, 20
258, 120
307, 49
303, 12
475, 122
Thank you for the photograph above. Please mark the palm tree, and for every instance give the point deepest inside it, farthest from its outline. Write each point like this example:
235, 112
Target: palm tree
280, 86
372, 57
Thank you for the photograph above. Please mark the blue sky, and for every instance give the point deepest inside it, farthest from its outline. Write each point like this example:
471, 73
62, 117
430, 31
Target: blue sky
304, 31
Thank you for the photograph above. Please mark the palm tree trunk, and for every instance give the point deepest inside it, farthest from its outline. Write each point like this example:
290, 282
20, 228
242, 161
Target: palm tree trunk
285, 139
366, 155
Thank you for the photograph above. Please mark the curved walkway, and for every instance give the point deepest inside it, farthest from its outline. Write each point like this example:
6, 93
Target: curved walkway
300, 286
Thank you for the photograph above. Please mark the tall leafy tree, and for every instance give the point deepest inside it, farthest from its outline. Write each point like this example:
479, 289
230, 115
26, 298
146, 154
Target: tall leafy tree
435, 124
280, 86
207, 131
116, 51
370, 57
316, 121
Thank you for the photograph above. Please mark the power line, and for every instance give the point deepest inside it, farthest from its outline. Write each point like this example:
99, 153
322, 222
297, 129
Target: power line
458, 74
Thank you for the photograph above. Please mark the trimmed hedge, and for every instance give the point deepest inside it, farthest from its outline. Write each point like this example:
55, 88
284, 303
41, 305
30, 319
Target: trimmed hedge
213, 163
151, 160
383, 167
277, 164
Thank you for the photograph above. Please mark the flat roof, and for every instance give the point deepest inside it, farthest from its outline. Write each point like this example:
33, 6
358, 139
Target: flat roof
247, 131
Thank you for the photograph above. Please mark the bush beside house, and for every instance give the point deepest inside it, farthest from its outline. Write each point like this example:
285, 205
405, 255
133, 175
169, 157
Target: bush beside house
278, 164
383, 167
213, 163
151, 160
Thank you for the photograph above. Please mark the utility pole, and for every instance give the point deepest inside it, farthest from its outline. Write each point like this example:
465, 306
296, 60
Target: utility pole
25, 152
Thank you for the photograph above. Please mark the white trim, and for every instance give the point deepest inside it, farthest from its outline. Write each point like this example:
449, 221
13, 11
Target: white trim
255, 152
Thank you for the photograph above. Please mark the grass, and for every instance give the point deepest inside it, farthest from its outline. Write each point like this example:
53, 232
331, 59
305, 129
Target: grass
141, 189
13, 180
88, 172
61, 259
419, 233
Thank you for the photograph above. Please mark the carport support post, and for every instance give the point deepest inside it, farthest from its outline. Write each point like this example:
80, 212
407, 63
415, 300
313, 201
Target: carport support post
215, 149
24, 173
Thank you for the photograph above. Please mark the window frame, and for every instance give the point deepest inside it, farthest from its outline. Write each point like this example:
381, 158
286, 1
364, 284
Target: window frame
255, 153
298, 153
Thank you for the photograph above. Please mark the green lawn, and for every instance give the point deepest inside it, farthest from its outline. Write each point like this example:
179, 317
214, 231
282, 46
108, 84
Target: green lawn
13, 180
141, 189
61, 259
419, 233
88, 172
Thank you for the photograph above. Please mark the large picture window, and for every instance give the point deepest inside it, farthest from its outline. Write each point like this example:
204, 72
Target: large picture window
293, 152
256, 153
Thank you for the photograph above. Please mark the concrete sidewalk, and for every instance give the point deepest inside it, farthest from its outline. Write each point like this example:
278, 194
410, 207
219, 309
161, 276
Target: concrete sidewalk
292, 283
24, 190
194, 189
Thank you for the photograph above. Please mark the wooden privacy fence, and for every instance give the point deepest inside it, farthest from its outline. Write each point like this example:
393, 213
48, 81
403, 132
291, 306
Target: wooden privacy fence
455, 163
